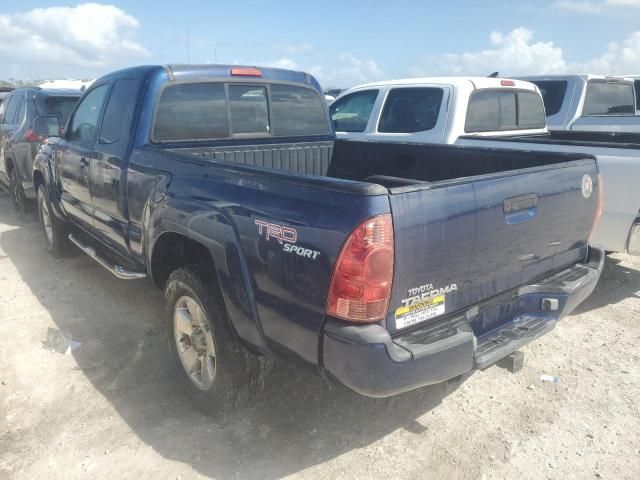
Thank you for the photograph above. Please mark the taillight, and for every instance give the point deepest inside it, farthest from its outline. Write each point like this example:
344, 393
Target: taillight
599, 208
31, 136
361, 282
507, 83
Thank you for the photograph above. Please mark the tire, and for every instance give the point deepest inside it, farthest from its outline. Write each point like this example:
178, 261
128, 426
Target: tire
18, 198
218, 373
55, 233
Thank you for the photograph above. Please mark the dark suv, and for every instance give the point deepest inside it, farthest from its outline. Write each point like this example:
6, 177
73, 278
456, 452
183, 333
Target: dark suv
19, 143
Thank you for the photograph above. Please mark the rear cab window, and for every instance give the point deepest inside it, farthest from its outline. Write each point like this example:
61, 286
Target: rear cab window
501, 110
410, 110
553, 93
351, 113
608, 98
217, 110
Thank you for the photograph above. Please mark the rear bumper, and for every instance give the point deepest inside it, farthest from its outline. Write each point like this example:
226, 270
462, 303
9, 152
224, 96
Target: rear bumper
368, 360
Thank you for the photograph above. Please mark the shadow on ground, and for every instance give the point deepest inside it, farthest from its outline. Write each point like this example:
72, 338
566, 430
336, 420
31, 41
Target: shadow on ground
616, 283
299, 420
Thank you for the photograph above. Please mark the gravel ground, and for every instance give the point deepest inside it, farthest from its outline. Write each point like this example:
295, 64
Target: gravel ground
114, 409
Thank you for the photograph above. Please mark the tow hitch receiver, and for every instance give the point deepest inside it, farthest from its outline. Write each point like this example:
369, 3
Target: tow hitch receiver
513, 362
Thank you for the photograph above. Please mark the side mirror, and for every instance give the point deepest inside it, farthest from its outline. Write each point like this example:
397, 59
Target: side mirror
47, 126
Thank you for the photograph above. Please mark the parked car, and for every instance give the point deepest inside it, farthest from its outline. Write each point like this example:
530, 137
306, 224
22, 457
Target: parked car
472, 111
19, 115
383, 266
588, 103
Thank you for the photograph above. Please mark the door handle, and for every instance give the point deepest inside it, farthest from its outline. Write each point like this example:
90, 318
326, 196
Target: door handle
523, 202
84, 162
520, 209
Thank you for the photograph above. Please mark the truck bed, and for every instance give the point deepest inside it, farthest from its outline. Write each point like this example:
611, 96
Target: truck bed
470, 222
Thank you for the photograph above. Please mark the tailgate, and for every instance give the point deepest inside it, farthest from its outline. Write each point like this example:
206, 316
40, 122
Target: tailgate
459, 243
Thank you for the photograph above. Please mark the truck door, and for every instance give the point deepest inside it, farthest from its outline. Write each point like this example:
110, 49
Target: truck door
108, 165
74, 155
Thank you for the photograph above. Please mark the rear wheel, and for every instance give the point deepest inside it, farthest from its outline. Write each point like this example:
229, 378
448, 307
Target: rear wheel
18, 198
218, 373
55, 233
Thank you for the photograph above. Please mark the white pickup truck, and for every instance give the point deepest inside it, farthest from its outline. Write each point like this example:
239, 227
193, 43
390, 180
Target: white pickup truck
588, 103
495, 113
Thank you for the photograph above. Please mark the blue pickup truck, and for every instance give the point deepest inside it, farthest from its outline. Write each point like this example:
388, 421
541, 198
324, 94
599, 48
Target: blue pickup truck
384, 266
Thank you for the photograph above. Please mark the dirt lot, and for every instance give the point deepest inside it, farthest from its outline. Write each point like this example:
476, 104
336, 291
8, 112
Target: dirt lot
112, 409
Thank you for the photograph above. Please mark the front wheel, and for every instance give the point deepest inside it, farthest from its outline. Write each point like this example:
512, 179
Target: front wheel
218, 373
54, 230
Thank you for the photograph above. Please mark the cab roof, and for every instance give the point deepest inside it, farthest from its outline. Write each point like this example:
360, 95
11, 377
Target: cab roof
474, 82
582, 76
181, 72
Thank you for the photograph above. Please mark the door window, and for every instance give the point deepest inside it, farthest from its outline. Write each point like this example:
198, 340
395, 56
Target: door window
351, 113
83, 125
118, 113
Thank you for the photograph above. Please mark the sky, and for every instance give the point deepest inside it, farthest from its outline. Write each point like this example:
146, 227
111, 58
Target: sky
343, 43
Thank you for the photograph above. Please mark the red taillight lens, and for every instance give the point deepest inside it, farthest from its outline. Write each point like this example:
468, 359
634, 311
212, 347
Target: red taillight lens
507, 83
246, 72
31, 136
361, 283
599, 208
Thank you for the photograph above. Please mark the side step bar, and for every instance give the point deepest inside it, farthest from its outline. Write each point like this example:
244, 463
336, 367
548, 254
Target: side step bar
116, 270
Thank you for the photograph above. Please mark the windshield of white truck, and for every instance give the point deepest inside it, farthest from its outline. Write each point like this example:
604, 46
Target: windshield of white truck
609, 98
553, 92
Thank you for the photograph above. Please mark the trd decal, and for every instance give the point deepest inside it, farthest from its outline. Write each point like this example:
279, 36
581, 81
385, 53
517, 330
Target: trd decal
285, 236
280, 233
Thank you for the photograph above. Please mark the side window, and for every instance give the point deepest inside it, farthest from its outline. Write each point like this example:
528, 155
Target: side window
12, 108
84, 122
118, 113
553, 93
351, 113
409, 110
249, 111
21, 110
191, 111
637, 91
608, 98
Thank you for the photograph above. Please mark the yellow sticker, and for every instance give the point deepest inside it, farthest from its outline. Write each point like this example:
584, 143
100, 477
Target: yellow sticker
420, 312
